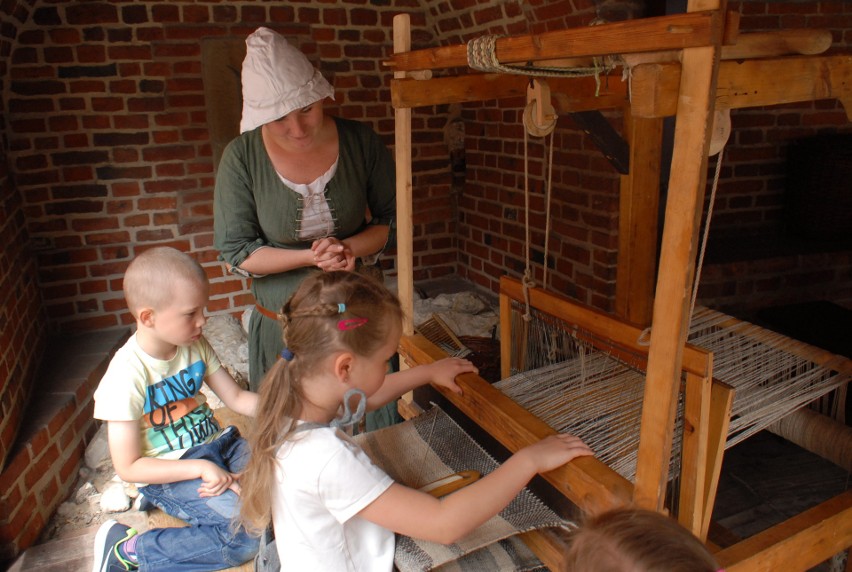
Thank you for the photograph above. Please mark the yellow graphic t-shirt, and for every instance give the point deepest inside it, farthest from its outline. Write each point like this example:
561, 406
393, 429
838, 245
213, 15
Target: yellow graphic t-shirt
163, 395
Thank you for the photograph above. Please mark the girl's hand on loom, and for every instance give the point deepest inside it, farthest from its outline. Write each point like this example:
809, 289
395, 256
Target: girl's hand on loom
554, 451
443, 372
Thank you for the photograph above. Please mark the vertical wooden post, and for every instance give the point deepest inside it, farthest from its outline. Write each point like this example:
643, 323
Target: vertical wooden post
505, 335
637, 220
696, 421
677, 263
404, 221
721, 402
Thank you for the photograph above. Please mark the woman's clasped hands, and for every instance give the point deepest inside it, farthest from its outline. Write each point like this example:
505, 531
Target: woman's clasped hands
332, 254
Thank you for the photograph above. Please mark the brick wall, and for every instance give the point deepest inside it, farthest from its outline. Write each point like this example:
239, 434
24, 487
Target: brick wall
581, 247
749, 213
23, 322
108, 131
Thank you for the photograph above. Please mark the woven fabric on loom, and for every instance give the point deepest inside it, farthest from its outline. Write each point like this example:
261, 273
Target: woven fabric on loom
430, 447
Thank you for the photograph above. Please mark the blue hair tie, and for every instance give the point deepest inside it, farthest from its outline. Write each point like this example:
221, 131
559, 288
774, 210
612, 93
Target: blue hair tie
341, 308
287, 355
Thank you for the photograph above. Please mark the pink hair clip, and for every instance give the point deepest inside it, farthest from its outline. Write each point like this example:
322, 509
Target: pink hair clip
351, 323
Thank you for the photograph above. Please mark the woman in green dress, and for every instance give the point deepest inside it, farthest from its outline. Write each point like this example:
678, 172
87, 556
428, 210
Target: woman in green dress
298, 191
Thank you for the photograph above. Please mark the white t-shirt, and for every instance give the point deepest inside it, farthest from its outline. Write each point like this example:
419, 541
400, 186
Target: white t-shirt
324, 481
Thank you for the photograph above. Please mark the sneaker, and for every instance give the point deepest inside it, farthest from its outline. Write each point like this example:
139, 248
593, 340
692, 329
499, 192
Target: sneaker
108, 558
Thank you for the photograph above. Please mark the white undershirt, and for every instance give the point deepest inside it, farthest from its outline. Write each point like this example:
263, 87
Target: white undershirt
317, 219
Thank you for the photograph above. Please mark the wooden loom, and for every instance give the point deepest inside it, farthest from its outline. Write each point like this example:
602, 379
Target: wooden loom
705, 66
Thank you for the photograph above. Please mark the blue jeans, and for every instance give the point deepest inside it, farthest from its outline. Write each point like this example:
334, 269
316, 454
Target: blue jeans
212, 541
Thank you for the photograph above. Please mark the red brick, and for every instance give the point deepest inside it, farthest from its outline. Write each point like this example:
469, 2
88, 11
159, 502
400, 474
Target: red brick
88, 54
68, 471
41, 467
49, 494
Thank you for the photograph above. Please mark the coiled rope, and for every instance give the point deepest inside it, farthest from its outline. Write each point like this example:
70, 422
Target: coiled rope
482, 56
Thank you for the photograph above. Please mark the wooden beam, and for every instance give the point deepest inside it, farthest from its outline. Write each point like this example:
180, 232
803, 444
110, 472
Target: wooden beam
751, 46
587, 482
785, 80
721, 401
677, 264
638, 216
605, 137
796, 544
404, 199
568, 94
641, 35
549, 545
696, 360
696, 428
778, 43
749, 83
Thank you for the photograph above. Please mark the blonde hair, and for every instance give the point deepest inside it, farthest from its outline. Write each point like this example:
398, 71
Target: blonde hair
151, 277
313, 329
636, 540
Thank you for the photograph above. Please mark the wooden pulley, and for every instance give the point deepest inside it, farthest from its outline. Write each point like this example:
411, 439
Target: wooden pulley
721, 130
539, 115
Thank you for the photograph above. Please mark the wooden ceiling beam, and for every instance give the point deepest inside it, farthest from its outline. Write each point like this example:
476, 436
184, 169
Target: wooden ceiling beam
569, 94
671, 32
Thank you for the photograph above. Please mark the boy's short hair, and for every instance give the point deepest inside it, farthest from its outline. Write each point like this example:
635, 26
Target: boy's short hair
151, 276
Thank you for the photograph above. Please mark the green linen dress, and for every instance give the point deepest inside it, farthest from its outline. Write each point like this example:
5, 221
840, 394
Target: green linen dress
253, 208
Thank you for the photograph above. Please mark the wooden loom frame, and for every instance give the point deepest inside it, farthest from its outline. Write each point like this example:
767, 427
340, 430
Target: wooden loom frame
690, 89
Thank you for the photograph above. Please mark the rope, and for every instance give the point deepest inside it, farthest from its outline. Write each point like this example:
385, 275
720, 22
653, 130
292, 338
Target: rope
645, 336
547, 208
706, 231
527, 281
482, 56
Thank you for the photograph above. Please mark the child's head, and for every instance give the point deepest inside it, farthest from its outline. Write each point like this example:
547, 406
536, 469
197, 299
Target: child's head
154, 277
636, 540
331, 313
337, 311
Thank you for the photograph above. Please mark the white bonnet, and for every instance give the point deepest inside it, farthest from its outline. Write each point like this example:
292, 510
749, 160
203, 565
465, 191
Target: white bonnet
277, 78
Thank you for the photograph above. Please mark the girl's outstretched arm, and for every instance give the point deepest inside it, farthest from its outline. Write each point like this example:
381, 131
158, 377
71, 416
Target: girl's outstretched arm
442, 372
420, 515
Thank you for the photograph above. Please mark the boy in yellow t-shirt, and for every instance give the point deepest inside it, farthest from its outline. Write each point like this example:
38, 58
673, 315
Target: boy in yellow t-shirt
162, 434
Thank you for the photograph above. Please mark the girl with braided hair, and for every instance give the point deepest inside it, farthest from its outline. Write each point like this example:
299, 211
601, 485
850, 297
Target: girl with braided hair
331, 508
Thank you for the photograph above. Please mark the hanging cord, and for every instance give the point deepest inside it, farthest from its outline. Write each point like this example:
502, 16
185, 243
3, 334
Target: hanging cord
645, 336
715, 186
527, 281
422, 464
482, 56
547, 208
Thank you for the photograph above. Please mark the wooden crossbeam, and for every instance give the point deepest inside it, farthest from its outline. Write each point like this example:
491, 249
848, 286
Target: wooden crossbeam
569, 94
605, 137
643, 35
798, 543
695, 360
749, 83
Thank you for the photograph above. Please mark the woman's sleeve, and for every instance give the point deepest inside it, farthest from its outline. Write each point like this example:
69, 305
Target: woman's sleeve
236, 230
381, 189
